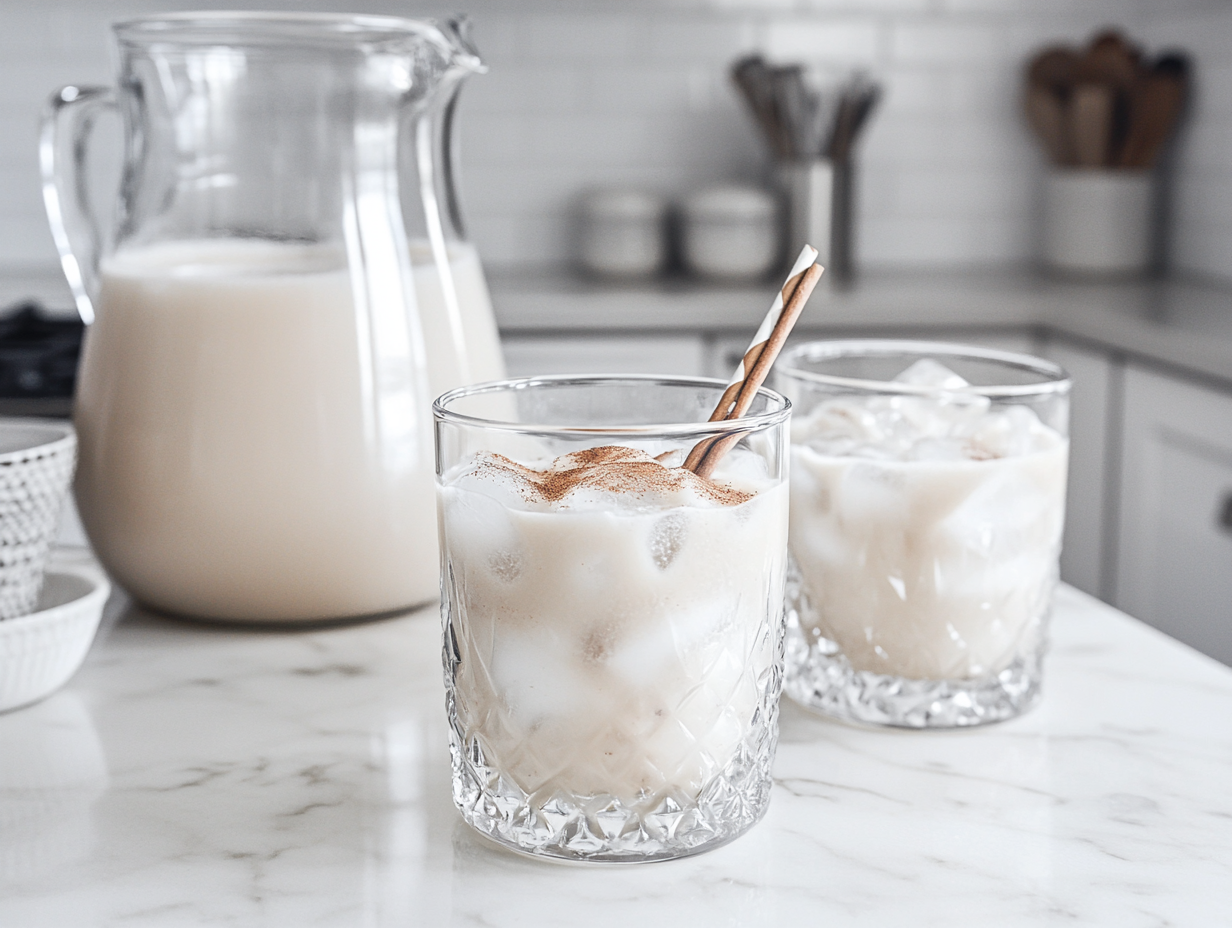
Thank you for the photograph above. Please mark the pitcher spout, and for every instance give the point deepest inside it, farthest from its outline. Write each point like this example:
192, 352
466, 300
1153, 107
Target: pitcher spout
466, 57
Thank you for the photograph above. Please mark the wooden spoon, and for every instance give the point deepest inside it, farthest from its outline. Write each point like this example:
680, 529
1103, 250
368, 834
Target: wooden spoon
1157, 103
1053, 68
1090, 121
1110, 58
1046, 114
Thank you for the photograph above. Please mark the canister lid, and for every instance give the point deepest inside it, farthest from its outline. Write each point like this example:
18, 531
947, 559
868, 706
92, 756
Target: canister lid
623, 203
729, 203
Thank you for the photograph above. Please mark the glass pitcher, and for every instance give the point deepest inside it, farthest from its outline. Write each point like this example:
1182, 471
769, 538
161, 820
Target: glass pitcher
283, 288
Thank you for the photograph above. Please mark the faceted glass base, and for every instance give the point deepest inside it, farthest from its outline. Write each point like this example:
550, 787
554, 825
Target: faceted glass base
819, 677
602, 828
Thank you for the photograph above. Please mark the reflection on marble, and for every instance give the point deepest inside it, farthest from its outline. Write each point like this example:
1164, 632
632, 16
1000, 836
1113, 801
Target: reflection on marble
52, 769
301, 779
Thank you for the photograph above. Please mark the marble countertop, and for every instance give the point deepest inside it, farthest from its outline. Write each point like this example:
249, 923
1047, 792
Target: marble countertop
194, 775
1181, 325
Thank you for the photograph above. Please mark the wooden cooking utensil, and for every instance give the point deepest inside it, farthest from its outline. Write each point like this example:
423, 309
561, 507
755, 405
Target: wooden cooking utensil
1053, 68
1158, 100
1047, 117
752, 76
1110, 59
1090, 122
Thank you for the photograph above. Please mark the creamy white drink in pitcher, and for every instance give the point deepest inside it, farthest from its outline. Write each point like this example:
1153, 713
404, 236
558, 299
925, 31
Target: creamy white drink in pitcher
250, 447
284, 287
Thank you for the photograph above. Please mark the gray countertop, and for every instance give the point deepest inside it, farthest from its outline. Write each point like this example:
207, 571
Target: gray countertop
1186, 326
1180, 325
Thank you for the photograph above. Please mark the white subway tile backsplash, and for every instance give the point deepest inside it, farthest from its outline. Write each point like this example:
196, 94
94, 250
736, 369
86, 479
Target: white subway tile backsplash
938, 143
1205, 199
642, 89
510, 90
1207, 145
867, 6
1193, 31
701, 39
594, 37
1204, 250
637, 92
957, 193
943, 92
941, 42
932, 242
841, 41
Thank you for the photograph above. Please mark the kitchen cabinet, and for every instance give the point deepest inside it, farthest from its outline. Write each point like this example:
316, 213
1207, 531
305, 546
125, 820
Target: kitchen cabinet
687, 355
1083, 552
1174, 550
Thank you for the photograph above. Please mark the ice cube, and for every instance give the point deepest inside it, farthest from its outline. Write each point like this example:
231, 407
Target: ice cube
744, 467
929, 373
836, 420
507, 565
939, 416
481, 529
667, 537
872, 493
1010, 431
1002, 516
649, 654
537, 675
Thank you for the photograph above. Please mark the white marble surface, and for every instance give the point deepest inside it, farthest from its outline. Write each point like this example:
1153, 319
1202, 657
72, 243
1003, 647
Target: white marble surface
193, 775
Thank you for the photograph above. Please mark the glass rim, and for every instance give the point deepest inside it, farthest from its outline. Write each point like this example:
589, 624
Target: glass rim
743, 425
265, 27
1054, 378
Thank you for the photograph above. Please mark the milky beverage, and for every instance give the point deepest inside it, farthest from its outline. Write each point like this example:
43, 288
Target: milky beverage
615, 618
926, 530
251, 446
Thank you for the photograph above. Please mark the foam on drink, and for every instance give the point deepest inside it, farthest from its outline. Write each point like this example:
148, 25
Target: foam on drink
925, 528
611, 617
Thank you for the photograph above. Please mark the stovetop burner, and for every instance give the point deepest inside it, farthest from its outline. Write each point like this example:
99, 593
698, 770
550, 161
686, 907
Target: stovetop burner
38, 361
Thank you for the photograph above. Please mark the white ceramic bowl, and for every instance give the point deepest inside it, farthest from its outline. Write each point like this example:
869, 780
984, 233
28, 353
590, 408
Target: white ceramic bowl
40, 651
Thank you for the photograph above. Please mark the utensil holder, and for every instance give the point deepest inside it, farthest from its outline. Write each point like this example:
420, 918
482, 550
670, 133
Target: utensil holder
1098, 221
820, 213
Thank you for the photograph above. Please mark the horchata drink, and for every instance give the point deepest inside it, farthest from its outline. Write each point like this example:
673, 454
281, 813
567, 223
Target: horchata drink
613, 622
927, 504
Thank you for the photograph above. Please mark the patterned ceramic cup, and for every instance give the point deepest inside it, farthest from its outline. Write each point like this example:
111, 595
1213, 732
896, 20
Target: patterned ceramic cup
36, 464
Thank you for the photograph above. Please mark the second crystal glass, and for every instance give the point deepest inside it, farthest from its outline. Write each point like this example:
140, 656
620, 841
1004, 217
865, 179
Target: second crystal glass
927, 502
613, 623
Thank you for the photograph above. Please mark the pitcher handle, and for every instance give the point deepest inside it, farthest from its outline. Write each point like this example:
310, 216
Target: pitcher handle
68, 117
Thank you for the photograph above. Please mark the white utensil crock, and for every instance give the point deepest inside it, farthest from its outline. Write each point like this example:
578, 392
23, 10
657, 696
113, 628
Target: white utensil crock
1097, 221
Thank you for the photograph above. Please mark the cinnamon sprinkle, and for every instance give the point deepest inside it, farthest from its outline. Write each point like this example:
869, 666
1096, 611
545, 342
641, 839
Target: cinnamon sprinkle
608, 468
